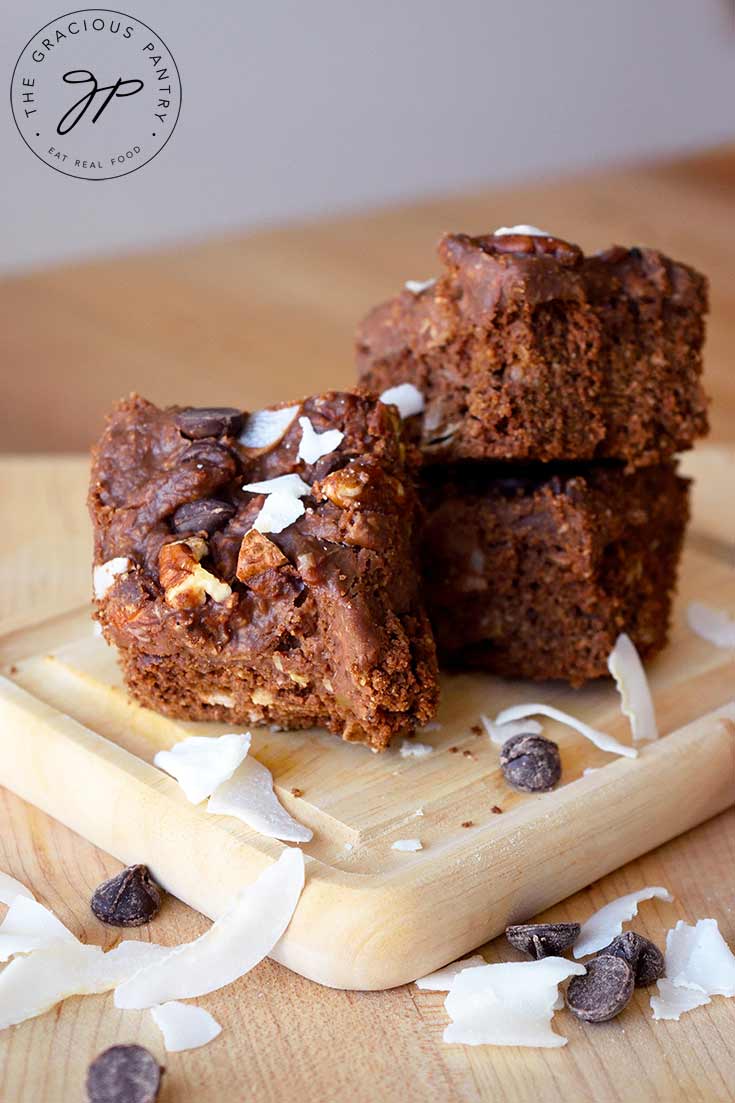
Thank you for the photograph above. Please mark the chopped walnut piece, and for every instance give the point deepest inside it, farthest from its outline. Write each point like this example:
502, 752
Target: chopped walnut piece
185, 582
257, 555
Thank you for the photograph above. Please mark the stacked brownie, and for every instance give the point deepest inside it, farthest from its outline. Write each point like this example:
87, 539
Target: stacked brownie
557, 389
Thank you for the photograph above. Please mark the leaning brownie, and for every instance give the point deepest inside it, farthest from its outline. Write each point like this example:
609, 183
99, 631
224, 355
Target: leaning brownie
261, 568
536, 575
525, 349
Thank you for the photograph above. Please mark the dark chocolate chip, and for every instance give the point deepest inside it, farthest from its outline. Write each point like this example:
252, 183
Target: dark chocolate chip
543, 939
643, 956
603, 991
209, 421
206, 515
530, 763
124, 1074
129, 899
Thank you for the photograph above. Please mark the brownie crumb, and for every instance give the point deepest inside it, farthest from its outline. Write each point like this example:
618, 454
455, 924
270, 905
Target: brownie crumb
129, 899
530, 763
454, 750
476, 729
468, 823
643, 956
543, 939
297, 792
603, 991
124, 1074
469, 754
496, 809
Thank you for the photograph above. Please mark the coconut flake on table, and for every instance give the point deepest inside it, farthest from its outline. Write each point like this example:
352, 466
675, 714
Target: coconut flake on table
409, 749
201, 763
29, 926
529, 231
235, 943
600, 739
407, 845
510, 1004
672, 1001
248, 796
607, 923
698, 956
442, 979
432, 726
498, 733
417, 286
10, 888
264, 428
406, 397
714, 625
624, 663
184, 1026
104, 575
313, 445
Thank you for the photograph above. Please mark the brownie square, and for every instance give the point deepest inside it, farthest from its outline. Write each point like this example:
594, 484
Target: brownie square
295, 607
525, 349
534, 575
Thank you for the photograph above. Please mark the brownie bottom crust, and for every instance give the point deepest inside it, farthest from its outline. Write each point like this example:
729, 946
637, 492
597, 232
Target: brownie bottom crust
535, 575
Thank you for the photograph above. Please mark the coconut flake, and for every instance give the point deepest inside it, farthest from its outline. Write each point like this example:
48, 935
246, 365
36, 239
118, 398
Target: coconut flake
625, 665
410, 749
417, 286
441, 980
104, 575
184, 1026
601, 739
264, 428
530, 231
510, 1004
500, 732
406, 397
699, 957
432, 726
292, 484
607, 923
313, 445
671, 1002
248, 796
714, 625
231, 947
590, 770
29, 926
201, 763
407, 844
10, 888
278, 512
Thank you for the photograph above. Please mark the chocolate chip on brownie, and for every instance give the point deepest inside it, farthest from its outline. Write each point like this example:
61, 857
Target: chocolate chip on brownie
128, 899
643, 956
603, 991
206, 515
530, 763
543, 939
124, 1074
209, 421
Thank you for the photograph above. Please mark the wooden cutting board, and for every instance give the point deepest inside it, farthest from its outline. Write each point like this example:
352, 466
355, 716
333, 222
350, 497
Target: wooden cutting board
72, 743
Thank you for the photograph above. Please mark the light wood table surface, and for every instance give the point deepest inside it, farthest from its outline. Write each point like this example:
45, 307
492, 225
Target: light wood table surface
194, 326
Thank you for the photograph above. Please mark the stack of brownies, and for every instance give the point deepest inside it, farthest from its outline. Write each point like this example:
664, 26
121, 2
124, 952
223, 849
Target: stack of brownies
557, 389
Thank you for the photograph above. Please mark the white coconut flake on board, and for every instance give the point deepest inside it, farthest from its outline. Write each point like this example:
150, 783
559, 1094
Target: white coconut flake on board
600, 739
607, 923
239, 939
249, 796
624, 663
432, 726
410, 749
184, 1025
498, 733
406, 397
590, 770
104, 575
510, 1004
10, 888
714, 625
530, 231
698, 956
264, 428
417, 286
201, 763
407, 845
29, 926
442, 979
672, 1001
313, 445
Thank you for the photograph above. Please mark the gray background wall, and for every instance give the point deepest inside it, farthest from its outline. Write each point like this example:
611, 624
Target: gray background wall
293, 108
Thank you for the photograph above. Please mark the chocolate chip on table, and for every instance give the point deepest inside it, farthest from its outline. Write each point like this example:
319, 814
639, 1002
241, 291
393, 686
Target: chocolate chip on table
209, 421
603, 991
129, 899
206, 515
543, 939
124, 1074
530, 763
643, 956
